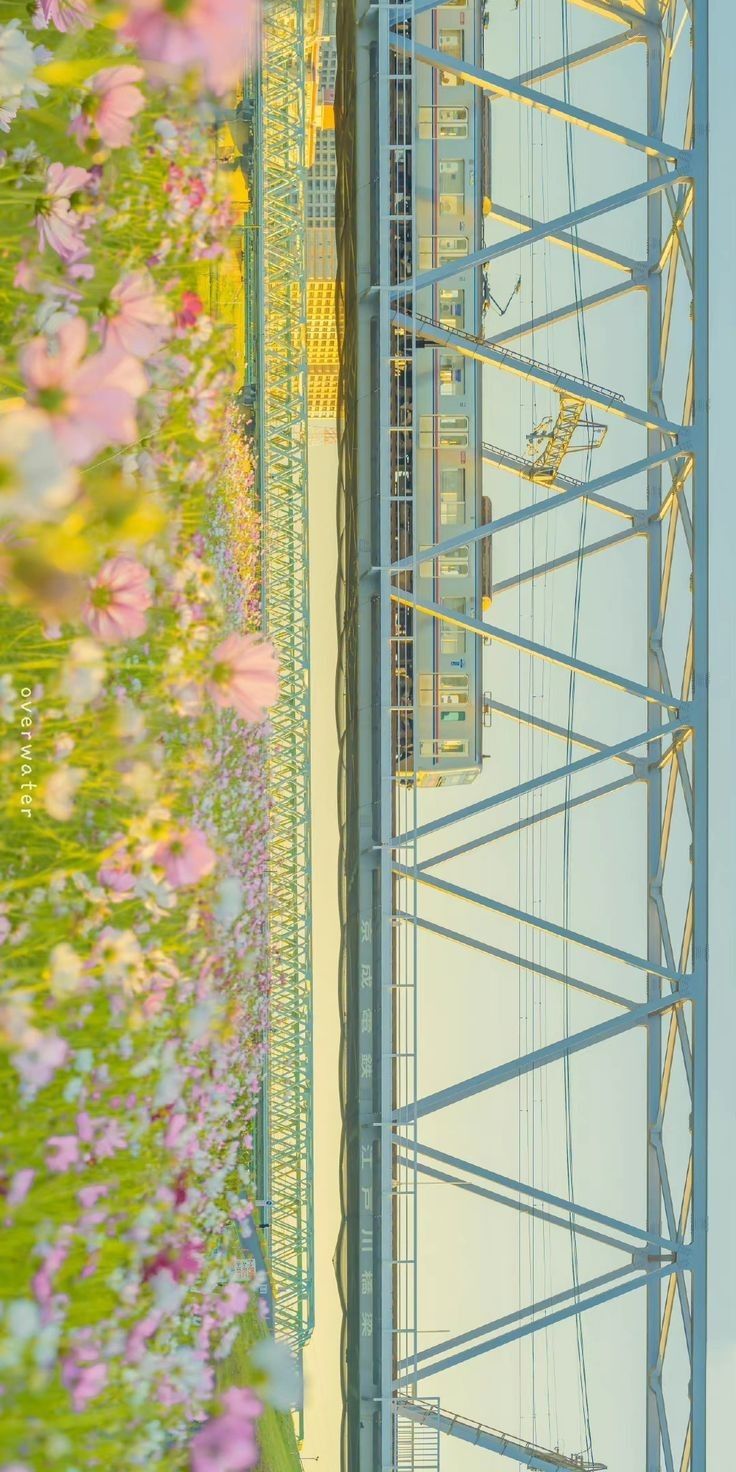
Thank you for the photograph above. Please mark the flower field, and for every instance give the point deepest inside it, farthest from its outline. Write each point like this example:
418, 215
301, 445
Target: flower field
134, 701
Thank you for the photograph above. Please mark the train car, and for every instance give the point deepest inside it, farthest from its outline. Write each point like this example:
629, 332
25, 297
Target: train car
439, 148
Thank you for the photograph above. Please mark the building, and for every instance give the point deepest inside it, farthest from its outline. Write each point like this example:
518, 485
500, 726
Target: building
321, 258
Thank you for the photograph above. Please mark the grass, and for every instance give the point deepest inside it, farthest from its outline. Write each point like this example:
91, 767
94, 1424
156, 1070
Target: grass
279, 1450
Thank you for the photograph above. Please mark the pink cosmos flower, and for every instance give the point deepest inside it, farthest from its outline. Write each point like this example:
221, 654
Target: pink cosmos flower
109, 1140
90, 402
216, 37
42, 1054
84, 1381
186, 858
58, 224
191, 308
242, 1401
139, 1335
139, 322
20, 1186
90, 1195
118, 101
245, 676
65, 15
63, 1151
227, 1444
234, 1301
119, 597
116, 872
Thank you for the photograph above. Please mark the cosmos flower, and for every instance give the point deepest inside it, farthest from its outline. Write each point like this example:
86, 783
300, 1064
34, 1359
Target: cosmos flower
226, 1444
113, 102
244, 676
83, 673
60, 790
41, 1055
36, 483
139, 321
59, 226
119, 598
19, 87
214, 37
62, 1152
64, 15
89, 401
185, 858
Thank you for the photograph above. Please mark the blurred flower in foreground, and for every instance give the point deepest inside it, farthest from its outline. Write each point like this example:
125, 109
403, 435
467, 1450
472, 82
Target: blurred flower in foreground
60, 791
229, 1443
18, 61
216, 37
89, 401
283, 1387
112, 103
35, 481
65, 15
186, 858
245, 675
138, 318
120, 596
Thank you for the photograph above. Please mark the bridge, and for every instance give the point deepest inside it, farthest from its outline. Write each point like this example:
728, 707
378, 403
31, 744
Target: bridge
526, 966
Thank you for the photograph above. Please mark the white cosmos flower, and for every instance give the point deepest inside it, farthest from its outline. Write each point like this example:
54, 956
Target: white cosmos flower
19, 87
35, 482
8, 697
83, 674
60, 791
66, 970
283, 1388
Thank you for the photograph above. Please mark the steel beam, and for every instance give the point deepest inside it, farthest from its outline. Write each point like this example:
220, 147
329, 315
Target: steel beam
647, 143
552, 229
599, 1291
516, 1068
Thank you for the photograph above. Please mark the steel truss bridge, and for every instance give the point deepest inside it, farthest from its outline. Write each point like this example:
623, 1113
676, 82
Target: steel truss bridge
274, 106
609, 958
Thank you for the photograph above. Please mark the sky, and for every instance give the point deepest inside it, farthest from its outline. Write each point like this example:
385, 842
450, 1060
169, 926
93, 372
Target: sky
607, 1139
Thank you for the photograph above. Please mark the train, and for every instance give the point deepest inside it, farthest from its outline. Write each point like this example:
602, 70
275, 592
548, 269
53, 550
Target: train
439, 148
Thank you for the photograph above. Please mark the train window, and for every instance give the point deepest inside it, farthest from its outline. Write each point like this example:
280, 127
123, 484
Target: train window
454, 564
448, 747
448, 431
445, 690
450, 247
453, 689
452, 639
452, 122
451, 307
451, 374
446, 247
443, 122
452, 186
452, 496
451, 43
